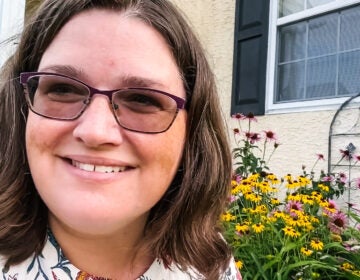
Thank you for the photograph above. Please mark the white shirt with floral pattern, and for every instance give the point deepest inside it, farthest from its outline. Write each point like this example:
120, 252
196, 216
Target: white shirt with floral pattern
53, 265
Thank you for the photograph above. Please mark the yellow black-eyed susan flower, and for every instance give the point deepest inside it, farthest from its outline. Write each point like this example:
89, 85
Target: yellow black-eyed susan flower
258, 228
317, 245
305, 251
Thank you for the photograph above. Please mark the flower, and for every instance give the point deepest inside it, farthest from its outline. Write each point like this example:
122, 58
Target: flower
332, 206
242, 228
251, 117
316, 245
275, 201
269, 135
291, 232
306, 199
253, 137
258, 228
227, 217
320, 157
342, 177
290, 218
357, 158
336, 237
352, 245
345, 154
239, 264
293, 206
238, 116
323, 187
337, 222
254, 197
306, 252
353, 207
347, 266
329, 178
357, 182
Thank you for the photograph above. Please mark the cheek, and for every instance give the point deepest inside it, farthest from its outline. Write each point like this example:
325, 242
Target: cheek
164, 151
41, 138
35, 140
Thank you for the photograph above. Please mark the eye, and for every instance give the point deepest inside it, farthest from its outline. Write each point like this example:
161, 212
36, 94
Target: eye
139, 99
144, 102
62, 91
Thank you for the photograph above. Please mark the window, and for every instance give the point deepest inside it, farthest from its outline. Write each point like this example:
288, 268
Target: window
11, 23
314, 54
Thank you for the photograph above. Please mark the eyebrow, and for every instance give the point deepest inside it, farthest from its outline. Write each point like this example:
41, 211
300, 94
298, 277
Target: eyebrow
65, 70
123, 81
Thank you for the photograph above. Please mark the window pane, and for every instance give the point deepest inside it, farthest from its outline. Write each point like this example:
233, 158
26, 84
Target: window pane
349, 73
323, 35
350, 28
314, 3
292, 42
321, 77
291, 81
319, 57
288, 7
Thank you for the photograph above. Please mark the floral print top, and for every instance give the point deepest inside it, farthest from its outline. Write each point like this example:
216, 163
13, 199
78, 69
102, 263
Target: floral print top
53, 265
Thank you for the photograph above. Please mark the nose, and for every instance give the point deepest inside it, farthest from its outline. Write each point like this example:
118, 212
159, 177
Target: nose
97, 126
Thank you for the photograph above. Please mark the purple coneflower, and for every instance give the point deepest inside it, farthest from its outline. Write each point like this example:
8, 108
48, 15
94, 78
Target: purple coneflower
293, 206
342, 177
270, 135
329, 178
253, 137
357, 182
251, 117
345, 154
233, 198
357, 158
238, 116
320, 157
338, 222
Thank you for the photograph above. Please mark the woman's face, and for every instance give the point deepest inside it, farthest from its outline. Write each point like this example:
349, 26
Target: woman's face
107, 50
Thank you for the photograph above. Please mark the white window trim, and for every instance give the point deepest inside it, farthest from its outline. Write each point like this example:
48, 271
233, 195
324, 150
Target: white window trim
11, 23
274, 24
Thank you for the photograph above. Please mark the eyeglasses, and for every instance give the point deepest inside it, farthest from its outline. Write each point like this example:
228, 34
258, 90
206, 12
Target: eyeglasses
59, 97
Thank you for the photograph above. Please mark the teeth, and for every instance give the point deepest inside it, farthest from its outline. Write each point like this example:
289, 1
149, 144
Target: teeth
98, 168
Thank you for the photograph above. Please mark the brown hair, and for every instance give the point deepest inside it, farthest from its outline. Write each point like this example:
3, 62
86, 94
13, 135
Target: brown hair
184, 225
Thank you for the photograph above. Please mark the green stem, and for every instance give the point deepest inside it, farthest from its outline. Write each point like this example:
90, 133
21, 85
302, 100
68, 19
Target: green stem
263, 156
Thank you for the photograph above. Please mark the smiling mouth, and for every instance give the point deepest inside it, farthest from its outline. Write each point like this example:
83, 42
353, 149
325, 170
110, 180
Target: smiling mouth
99, 168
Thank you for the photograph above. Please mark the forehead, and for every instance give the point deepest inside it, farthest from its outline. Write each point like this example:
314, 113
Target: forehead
112, 43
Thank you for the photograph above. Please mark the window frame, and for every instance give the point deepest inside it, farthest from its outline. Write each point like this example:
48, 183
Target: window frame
12, 15
274, 24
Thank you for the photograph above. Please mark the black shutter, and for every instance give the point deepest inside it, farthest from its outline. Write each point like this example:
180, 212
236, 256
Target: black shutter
250, 55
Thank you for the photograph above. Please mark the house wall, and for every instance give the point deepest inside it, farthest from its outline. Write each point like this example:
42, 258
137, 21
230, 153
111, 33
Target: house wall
302, 135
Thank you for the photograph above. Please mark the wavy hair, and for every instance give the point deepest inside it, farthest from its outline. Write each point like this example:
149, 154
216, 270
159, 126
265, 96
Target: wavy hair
184, 225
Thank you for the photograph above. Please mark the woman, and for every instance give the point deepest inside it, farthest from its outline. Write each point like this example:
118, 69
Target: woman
115, 163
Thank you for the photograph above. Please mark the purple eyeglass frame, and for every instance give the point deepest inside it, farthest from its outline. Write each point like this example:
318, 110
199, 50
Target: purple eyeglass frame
25, 76
180, 102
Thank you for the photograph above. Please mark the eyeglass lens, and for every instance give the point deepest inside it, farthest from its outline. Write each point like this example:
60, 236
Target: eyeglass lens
138, 109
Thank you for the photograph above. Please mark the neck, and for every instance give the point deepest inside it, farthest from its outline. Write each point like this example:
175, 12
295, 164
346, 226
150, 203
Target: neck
118, 255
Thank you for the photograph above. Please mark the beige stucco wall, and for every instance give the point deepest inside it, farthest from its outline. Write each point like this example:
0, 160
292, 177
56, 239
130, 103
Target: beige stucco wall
213, 22
302, 135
